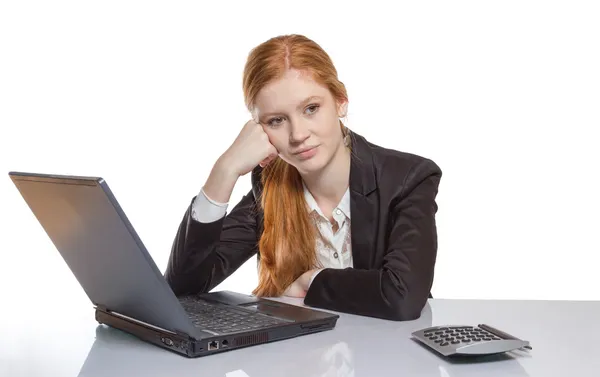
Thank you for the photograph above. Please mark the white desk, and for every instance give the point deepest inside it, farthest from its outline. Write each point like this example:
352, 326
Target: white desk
565, 337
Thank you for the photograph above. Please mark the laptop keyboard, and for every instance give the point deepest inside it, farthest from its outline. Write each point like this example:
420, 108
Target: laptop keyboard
223, 319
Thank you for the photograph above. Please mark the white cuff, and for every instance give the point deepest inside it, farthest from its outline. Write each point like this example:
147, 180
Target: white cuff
207, 210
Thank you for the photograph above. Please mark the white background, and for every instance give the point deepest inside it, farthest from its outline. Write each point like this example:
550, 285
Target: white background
504, 96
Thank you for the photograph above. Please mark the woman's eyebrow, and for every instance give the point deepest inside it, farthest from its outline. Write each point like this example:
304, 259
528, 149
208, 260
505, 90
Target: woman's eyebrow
309, 99
302, 104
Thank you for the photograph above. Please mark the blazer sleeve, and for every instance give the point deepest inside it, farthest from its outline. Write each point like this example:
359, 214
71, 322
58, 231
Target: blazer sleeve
400, 288
204, 254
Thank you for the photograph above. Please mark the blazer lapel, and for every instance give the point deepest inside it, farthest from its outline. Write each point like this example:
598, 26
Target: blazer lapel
364, 206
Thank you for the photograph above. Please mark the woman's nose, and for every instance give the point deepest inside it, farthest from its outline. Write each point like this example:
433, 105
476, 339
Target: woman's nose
298, 132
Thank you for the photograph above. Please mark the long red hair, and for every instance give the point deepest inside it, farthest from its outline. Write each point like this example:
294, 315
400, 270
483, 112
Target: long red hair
287, 244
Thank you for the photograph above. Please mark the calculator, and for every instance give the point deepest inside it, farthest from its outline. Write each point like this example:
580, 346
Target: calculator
456, 340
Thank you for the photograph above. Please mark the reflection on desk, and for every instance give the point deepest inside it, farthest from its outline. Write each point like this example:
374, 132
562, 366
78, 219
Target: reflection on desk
57, 336
357, 347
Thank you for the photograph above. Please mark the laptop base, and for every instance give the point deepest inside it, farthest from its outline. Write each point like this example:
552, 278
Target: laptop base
186, 345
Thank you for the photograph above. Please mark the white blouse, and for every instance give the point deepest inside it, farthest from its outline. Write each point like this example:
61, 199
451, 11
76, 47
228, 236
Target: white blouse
335, 252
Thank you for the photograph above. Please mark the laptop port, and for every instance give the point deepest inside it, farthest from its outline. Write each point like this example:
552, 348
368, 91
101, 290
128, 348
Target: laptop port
167, 341
214, 345
224, 343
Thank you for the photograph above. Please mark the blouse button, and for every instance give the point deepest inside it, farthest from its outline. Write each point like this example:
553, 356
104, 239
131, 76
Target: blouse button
335, 255
338, 211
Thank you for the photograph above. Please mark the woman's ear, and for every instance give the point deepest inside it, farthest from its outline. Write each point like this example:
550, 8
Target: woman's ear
343, 109
254, 115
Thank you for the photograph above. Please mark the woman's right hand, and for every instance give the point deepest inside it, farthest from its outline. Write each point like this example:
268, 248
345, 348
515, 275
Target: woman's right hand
251, 148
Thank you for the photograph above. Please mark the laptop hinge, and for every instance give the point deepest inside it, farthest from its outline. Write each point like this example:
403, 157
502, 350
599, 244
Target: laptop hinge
182, 334
175, 331
102, 308
131, 319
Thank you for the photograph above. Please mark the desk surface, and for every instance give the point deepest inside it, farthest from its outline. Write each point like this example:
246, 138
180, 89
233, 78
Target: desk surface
565, 337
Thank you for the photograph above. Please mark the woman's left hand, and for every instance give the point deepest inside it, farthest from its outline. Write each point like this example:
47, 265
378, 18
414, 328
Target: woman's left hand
300, 286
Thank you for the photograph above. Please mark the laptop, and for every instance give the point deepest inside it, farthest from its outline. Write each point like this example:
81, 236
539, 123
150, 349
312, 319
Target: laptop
89, 229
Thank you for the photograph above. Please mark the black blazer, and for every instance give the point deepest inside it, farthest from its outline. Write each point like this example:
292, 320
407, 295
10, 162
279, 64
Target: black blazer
393, 235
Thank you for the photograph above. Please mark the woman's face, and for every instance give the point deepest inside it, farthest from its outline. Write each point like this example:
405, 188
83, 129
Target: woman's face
301, 119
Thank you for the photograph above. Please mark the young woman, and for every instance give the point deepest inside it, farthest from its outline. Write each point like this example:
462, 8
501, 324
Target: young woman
346, 224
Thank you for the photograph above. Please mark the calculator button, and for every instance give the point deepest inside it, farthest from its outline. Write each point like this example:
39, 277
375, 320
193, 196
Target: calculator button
444, 344
455, 341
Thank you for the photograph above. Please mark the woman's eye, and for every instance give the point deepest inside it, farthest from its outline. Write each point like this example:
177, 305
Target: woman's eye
275, 121
312, 109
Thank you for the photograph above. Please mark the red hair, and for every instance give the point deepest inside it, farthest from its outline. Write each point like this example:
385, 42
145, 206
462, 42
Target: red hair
287, 244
